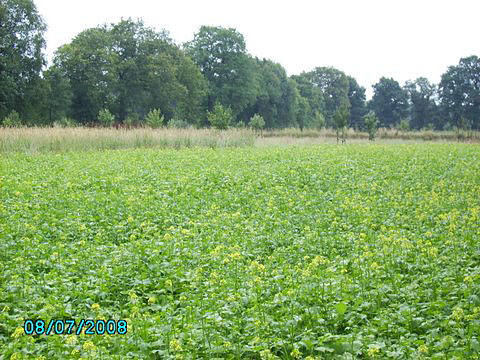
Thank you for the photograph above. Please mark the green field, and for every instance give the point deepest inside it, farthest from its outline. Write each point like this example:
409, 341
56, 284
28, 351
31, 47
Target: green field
294, 252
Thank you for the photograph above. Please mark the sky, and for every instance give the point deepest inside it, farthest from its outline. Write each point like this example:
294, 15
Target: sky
366, 39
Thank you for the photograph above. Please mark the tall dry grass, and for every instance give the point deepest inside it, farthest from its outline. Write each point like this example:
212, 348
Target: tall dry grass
40, 140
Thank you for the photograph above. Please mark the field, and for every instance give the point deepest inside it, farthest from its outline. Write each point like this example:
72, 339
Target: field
292, 252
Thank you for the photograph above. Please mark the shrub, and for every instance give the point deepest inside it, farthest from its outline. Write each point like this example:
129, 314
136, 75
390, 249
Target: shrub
154, 119
371, 123
221, 117
257, 122
131, 120
12, 120
105, 118
404, 125
176, 123
319, 120
65, 122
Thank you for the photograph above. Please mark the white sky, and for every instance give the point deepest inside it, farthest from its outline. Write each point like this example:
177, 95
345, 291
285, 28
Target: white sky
364, 38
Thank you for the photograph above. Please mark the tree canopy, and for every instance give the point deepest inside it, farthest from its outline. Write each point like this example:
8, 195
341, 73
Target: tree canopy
139, 76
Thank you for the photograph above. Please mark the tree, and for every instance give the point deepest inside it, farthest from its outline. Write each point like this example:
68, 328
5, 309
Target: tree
220, 117
310, 101
221, 55
334, 86
340, 119
423, 108
276, 96
460, 92
130, 69
257, 122
371, 123
356, 97
59, 96
21, 58
389, 101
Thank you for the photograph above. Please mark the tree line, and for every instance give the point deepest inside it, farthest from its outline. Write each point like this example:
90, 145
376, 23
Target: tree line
127, 73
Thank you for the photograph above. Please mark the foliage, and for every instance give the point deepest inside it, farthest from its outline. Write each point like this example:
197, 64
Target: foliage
66, 122
357, 99
221, 117
404, 125
389, 101
340, 119
221, 55
176, 123
423, 107
21, 59
129, 68
132, 120
351, 252
105, 118
154, 119
460, 91
12, 120
371, 123
257, 122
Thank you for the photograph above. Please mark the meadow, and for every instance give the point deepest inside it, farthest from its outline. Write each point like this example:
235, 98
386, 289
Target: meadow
277, 252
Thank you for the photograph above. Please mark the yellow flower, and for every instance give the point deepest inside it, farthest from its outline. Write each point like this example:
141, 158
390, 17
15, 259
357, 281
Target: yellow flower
152, 300
18, 332
457, 313
373, 351
374, 266
40, 358
423, 349
296, 353
89, 346
95, 307
74, 352
16, 356
168, 283
72, 339
175, 345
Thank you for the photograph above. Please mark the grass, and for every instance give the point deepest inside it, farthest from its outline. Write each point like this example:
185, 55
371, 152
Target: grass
299, 252
42, 140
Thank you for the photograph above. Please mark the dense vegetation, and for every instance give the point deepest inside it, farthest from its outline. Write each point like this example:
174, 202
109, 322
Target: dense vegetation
358, 251
127, 70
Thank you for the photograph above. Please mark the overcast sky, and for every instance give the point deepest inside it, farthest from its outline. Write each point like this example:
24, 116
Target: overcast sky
366, 39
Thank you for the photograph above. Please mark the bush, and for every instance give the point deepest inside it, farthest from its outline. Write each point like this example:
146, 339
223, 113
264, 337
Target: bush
65, 122
319, 120
154, 119
176, 123
131, 120
221, 117
12, 120
257, 122
371, 123
106, 118
404, 125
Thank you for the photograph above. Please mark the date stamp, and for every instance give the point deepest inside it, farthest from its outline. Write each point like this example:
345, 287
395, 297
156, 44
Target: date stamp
72, 327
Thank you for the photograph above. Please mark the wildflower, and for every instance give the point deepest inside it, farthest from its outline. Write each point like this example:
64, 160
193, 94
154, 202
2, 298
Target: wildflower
373, 351
95, 307
296, 354
374, 266
266, 355
89, 346
40, 358
72, 339
15, 356
175, 345
18, 332
423, 349
457, 313
468, 279
74, 352
167, 237
130, 218
133, 297
168, 283
152, 300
